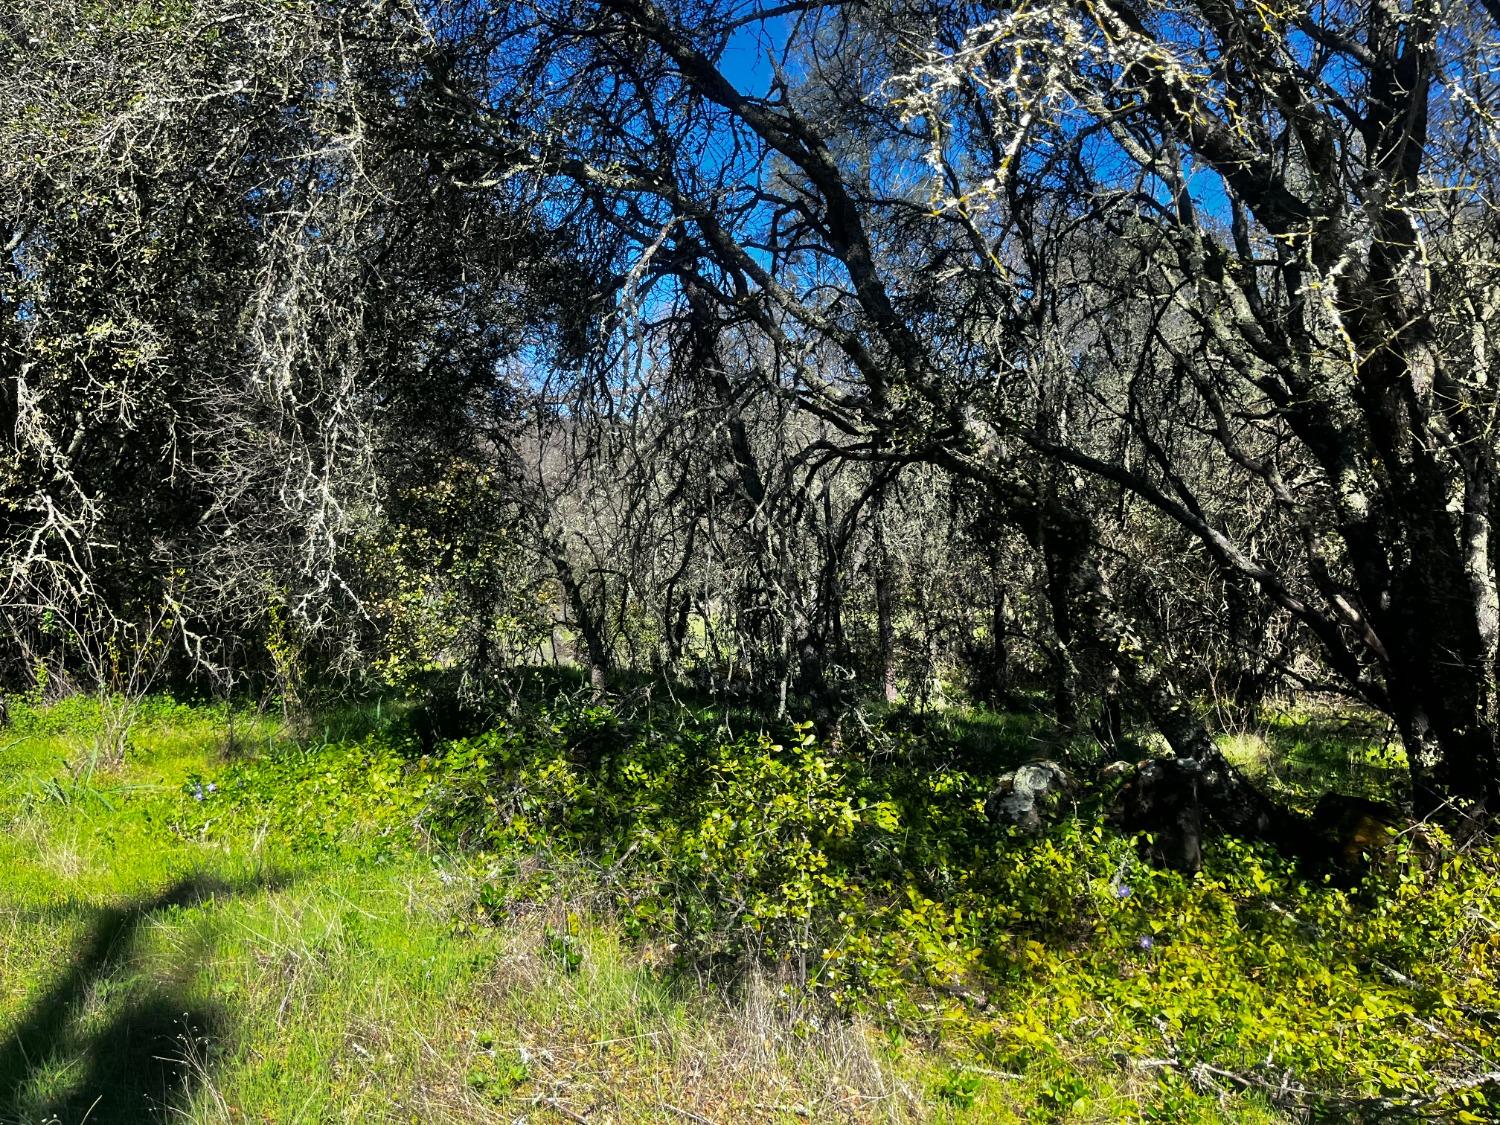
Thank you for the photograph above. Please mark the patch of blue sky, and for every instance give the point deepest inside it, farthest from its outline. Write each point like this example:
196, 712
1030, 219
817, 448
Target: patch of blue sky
749, 57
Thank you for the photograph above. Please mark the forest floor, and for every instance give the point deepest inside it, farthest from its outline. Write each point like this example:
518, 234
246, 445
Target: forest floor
241, 923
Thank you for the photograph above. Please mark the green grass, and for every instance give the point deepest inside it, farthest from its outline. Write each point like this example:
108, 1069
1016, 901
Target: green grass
590, 914
158, 962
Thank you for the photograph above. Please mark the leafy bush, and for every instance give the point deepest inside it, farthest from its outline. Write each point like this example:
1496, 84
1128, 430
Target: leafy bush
885, 888
875, 881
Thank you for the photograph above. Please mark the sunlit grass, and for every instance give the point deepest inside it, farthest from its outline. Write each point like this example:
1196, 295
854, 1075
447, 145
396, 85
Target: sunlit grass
251, 921
1301, 753
147, 973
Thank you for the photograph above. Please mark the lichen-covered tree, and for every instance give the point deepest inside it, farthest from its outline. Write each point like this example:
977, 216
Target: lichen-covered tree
1291, 212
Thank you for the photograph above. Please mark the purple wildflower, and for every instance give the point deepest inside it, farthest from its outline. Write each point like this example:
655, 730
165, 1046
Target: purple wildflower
1122, 892
1146, 941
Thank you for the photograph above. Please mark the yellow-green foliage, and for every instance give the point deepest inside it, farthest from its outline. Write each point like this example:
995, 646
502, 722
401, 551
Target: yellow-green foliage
888, 891
451, 580
1060, 976
181, 940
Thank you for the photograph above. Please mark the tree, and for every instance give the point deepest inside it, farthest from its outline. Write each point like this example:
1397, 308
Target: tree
1292, 330
1306, 199
253, 299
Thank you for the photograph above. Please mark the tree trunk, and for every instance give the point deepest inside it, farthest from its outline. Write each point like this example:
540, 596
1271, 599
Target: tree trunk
1177, 799
994, 681
1251, 670
1062, 557
886, 627
1428, 590
595, 648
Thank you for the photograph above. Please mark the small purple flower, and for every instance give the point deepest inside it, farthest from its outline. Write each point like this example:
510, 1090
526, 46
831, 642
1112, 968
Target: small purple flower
212, 788
1146, 941
1122, 892
198, 792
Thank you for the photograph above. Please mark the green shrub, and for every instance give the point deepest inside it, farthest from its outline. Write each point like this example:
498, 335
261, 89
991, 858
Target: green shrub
886, 889
875, 881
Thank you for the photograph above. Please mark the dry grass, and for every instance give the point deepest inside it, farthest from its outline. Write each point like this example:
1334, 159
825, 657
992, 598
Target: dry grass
612, 1042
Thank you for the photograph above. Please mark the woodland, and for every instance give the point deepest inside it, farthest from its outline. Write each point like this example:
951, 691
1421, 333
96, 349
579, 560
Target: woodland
972, 520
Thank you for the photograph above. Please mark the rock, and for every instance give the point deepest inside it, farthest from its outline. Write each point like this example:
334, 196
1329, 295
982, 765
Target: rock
1175, 800
1030, 796
1352, 833
1162, 798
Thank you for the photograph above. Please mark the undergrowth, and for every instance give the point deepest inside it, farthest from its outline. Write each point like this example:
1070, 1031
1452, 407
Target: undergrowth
868, 876
842, 925
234, 924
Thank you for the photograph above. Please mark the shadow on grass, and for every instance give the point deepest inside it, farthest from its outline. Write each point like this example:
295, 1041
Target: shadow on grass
150, 1053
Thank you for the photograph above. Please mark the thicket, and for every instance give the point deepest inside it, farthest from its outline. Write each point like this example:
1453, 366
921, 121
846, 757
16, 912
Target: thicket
1135, 357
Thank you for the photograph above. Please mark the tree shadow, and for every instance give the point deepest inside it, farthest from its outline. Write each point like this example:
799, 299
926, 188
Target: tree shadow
150, 1054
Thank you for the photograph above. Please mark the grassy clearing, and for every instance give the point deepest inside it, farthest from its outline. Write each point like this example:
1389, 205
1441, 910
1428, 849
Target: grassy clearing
156, 964
583, 915
1299, 754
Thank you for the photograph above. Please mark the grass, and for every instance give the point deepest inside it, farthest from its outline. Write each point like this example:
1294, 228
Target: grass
150, 970
1300, 753
247, 922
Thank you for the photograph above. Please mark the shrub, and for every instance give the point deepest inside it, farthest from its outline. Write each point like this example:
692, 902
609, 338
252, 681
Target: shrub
875, 881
